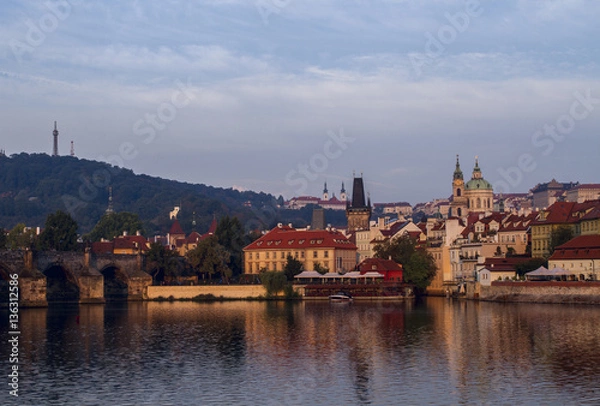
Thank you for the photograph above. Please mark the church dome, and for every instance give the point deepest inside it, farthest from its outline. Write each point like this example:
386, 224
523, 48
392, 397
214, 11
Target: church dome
478, 184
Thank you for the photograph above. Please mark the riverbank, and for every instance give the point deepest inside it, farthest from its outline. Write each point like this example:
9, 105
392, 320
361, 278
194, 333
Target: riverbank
537, 292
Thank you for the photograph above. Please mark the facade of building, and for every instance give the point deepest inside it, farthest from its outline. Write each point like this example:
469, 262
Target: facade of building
577, 216
580, 255
329, 248
545, 195
582, 193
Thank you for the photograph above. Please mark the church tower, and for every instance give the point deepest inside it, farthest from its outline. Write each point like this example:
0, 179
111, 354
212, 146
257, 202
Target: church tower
325, 193
343, 196
479, 192
358, 211
459, 203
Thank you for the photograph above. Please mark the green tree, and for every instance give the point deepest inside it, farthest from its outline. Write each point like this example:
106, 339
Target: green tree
510, 252
60, 232
210, 258
559, 236
419, 265
292, 268
230, 234
161, 262
114, 224
317, 267
273, 281
19, 237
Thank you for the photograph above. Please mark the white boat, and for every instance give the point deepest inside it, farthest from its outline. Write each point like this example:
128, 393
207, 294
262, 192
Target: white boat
341, 296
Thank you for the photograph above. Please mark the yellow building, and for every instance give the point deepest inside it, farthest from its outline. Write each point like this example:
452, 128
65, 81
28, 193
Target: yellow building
329, 248
581, 217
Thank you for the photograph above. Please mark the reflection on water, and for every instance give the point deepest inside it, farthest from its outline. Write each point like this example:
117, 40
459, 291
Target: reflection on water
433, 352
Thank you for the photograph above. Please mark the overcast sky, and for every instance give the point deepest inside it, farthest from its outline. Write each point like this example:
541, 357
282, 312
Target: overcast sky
282, 95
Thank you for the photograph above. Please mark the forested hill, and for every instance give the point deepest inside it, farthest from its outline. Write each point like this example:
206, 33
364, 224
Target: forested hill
35, 185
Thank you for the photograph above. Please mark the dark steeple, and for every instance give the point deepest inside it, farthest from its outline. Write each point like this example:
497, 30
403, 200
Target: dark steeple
358, 194
358, 210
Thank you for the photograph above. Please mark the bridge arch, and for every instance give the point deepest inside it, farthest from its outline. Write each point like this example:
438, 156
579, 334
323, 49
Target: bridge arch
61, 285
116, 286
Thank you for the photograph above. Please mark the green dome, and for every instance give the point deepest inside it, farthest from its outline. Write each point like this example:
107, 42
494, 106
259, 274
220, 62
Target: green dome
478, 184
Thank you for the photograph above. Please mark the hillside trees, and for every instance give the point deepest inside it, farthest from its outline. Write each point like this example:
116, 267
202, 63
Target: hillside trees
114, 224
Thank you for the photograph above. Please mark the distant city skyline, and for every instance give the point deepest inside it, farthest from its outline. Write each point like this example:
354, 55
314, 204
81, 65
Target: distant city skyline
281, 97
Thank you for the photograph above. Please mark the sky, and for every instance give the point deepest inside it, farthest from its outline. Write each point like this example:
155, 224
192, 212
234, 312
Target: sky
282, 96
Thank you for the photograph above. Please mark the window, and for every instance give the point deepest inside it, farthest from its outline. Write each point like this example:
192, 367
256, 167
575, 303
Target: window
249, 255
302, 254
326, 254
315, 254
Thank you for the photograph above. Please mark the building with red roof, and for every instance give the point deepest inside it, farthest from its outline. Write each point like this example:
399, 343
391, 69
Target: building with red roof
123, 245
391, 271
570, 214
581, 255
329, 248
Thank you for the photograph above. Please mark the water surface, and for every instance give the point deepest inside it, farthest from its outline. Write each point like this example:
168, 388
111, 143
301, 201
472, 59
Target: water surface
263, 353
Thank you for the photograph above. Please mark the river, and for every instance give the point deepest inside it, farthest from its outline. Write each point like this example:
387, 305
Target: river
438, 351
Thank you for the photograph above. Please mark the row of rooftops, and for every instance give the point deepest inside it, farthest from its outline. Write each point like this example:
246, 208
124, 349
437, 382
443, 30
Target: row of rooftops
288, 237
569, 212
133, 243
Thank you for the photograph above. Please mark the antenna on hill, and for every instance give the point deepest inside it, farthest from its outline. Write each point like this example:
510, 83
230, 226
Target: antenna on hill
55, 134
72, 148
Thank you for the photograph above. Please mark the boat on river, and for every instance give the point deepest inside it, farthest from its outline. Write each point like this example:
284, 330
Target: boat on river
340, 297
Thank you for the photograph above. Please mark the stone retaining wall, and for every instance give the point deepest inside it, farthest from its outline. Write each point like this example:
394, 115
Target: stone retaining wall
542, 292
188, 292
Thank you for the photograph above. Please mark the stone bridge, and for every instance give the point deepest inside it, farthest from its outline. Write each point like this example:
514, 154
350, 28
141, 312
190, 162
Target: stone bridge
75, 277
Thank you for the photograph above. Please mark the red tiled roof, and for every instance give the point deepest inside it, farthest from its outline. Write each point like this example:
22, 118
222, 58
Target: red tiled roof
583, 241
592, 214
588, 186
567, 212
504, 264
213, 226
285, 237
378, 264
176, 228
130, 242
102, 247
193, 238
582, 247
